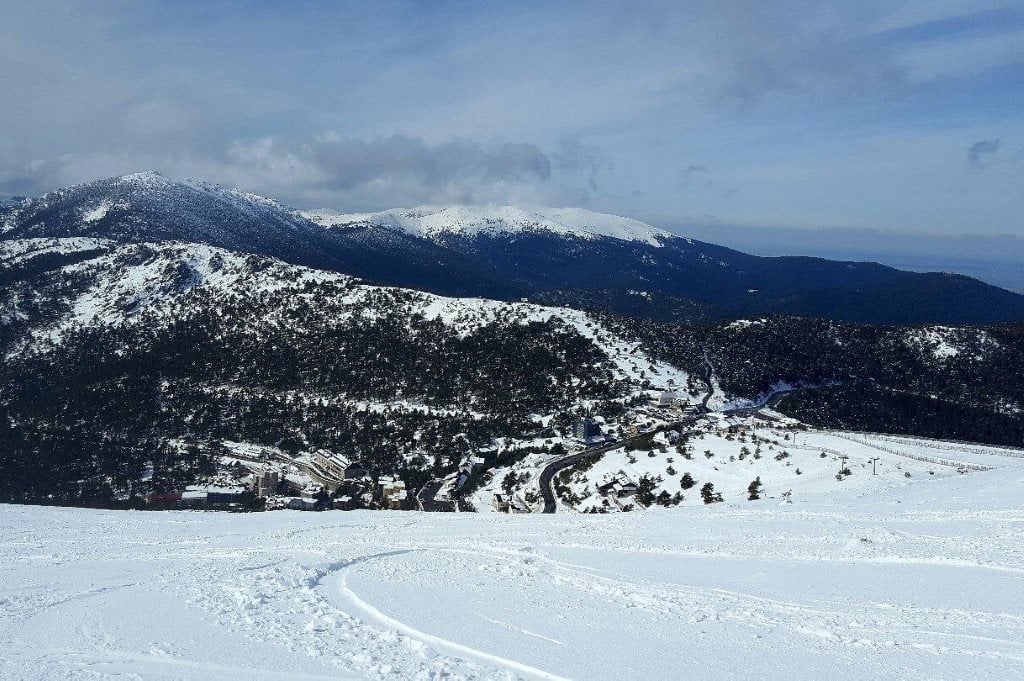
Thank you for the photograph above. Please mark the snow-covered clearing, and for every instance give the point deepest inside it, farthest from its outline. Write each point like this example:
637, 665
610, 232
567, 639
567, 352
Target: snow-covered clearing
944, 342
923, 580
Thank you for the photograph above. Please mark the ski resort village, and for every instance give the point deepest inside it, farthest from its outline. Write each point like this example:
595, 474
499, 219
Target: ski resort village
251, 476
665, 451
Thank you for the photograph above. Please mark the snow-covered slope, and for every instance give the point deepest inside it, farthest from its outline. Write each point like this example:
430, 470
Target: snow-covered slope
435, 222
212, 336
919, 582
121, 284
133, 193
788, 463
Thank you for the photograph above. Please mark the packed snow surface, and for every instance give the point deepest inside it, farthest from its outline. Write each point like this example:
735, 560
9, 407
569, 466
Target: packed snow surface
798, 464
920, 581
434, 221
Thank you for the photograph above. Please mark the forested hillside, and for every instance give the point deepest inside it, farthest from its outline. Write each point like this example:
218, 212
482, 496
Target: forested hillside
960, 382
122, 357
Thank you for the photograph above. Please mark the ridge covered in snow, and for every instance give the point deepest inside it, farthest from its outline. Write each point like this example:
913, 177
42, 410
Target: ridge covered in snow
148, 207
434, 222
125, 280
510, 252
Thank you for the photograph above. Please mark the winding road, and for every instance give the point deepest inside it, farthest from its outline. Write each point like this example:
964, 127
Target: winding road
553, 468
427, 500
549, 471
427, 494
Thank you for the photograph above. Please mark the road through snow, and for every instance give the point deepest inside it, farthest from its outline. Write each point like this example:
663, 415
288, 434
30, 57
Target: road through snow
921, 581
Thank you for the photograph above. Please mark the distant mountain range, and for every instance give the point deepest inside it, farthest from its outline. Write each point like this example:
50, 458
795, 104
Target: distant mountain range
572, 256
441, 223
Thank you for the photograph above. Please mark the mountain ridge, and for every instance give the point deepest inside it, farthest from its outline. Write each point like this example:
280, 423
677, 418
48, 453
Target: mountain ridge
509, 252
434, 222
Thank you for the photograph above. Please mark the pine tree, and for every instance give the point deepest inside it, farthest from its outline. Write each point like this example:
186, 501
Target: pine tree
708, 494
687, 481
754, 489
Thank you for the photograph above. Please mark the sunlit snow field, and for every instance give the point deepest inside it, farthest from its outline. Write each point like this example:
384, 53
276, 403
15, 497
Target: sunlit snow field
923, 580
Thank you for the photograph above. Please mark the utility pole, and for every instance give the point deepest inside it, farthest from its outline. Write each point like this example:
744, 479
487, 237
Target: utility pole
842, 463
874, 463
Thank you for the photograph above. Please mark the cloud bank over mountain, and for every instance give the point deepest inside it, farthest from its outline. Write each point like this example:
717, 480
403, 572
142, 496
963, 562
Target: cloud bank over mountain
795, 114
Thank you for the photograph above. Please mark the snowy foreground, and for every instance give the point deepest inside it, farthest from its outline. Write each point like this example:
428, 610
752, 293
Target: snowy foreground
922, 581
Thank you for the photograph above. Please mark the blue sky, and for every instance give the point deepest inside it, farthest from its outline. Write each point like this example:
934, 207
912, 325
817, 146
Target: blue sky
721, 116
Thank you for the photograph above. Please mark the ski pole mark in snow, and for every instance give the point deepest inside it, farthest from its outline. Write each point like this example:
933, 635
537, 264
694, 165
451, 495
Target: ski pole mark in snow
511, 627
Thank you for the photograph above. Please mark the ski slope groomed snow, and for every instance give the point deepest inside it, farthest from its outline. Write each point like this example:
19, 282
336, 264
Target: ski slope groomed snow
924, 581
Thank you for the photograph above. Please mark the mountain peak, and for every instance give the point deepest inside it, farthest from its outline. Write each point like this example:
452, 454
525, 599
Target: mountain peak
144, 178
147, 206
434, 222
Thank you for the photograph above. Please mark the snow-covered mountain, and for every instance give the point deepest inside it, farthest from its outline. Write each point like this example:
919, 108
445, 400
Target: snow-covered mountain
112, 352
565, 255
104, 284
123, 349
150, 207
437, 222
579, 257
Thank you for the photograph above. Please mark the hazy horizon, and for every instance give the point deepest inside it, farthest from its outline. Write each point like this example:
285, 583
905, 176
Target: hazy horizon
994, 259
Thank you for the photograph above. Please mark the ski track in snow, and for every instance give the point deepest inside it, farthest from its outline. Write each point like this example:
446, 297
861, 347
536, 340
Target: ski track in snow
920, 581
